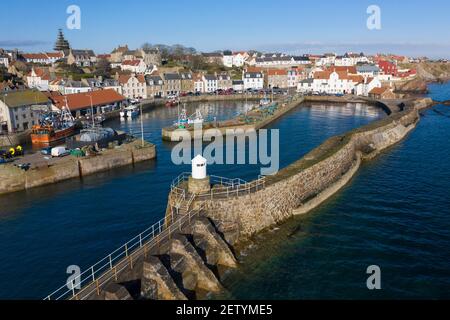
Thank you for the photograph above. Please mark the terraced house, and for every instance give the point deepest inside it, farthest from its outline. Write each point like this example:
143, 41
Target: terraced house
81, 58
276, 78
172, 83
155, 86
224, 81
187, 82
133, 86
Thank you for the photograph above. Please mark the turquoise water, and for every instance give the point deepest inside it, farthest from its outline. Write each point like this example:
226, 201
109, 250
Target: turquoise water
42, 231
394, 214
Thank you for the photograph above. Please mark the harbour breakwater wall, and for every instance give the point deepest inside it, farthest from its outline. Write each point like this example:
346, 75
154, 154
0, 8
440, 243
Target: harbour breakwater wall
187, 255
13, 179
313, 179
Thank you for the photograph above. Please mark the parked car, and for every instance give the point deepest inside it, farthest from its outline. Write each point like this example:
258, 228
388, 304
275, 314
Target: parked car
46, 151
59, 152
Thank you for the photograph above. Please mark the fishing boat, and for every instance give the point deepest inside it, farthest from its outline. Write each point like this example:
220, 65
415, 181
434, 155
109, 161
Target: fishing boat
130, 112
265, 101
184, 120
171, 103
53, 127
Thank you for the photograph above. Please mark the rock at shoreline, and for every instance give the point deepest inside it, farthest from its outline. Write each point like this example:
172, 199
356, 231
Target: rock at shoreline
417, 86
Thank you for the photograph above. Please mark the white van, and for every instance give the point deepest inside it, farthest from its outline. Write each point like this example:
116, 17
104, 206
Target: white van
58, 152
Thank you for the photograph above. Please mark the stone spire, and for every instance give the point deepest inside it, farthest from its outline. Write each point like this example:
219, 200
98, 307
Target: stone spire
61, 43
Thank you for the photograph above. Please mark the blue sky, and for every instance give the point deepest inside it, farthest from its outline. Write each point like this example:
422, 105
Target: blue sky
408, 27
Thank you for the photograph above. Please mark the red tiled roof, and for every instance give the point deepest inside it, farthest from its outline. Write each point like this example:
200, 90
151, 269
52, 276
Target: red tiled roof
378, 91
40, 73
124, 78
351, 70
133, 63
56, 55
276, 72
35, 56
79, 101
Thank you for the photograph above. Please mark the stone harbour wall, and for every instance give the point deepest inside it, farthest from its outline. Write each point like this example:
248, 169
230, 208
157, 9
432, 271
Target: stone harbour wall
13, 179
311, 180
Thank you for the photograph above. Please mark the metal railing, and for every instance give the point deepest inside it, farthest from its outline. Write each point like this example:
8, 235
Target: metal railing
94, 278
222, 187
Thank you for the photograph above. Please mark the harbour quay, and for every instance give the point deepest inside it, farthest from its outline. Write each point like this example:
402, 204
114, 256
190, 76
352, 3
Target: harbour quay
43, 170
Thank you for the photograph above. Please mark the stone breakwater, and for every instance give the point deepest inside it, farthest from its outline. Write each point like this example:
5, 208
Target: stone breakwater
13, 179
313, 179
191, 256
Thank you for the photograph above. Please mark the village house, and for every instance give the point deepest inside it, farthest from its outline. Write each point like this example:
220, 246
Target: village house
383, 93
43, 58
81, 58
38, 78
187, 84
224, 81
368, 70
331, 82
155, 86
239, 58
134, 66
294, 76
172, 83
133, 86
363, 88
73, 86
227, 59
199, 85
151, 56
81, 104
388, 68
117, 54
213, 58
20, 110
276, 78
4, 60
253, 80
238, 85
112, 84
210, 81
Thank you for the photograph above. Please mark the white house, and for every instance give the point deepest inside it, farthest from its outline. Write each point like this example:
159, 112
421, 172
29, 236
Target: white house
227, 59
199, 85
253, 80
39, 79
238, 85
239, 58
135, 66
71, 87
331, 82
344, 61
210, 83
4, 60
363, 88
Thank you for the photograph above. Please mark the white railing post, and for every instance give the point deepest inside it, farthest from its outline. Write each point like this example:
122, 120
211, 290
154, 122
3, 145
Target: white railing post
93, 274
110, 262
140, 240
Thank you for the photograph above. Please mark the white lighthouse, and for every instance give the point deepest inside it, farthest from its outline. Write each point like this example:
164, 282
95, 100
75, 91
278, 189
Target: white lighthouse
199, 181
199, 168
